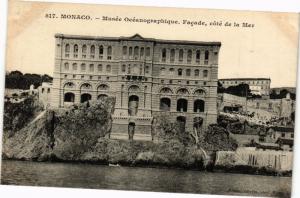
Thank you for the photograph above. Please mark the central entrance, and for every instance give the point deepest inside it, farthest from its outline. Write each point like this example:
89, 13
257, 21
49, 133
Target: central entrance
131, 129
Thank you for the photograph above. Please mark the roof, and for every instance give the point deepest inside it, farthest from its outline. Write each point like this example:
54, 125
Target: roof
229, 79
137, 37
285, 141
282, 128
270, 146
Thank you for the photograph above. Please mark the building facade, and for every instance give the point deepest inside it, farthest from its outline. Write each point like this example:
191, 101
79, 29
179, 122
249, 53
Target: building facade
258, 86
148, 77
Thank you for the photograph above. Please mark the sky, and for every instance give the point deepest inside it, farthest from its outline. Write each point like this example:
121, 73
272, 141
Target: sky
269, 49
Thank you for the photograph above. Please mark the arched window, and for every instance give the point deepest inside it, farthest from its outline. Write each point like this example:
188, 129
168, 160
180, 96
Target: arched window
100, 68
163, 55
130, 51
136, 52
67, 48
124, 51
82, 68
199, 106
100, 51
165, 104
172, 55
142, 52
189, 56
93, 51
66, 66
148, 51
74, 66
123, 68
179, 72
181, 120
188, 72
198, 56
69, 97
75, 50
84, 51
205, 73
206, 57
196, 72
180, 55
109, 52
48, 90
91, 67
182, 105
85, 97
133, 105
108, 68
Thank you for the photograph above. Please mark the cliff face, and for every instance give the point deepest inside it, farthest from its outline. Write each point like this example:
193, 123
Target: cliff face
64, 134
80, 133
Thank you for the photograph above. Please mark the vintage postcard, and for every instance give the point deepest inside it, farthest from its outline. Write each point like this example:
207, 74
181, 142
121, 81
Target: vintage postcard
150, 99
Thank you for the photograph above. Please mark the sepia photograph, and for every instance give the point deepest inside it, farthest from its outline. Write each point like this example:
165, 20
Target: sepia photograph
177, 100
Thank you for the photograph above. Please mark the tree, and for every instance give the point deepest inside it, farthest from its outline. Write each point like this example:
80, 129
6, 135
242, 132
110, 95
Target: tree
18, 80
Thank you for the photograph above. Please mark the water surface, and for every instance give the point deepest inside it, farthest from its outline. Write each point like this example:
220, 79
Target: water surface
141, 179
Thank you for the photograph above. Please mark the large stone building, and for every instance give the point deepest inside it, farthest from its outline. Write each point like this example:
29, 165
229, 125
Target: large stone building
147, 77
258, 86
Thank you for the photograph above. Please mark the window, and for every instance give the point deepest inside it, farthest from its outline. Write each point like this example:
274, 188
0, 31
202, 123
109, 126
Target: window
189, 56
91, 67
66, 66
84, 51
124, 51
93, 51
180, 55
108, 68
179, 72
75, 50
162, 71
163, 55
123, 68
196, 72
74, 66
198, 56
165, 104
142, 52
109, 52
69, 97
147, 68
182, 105
188, 72
130, 51
148, 51
199, 106
172, 55
136, 52
67, 50
292, 135
206, 57
100, 52
283, 135
129, 69
100, 68
82, 67
171, 71
205, 73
